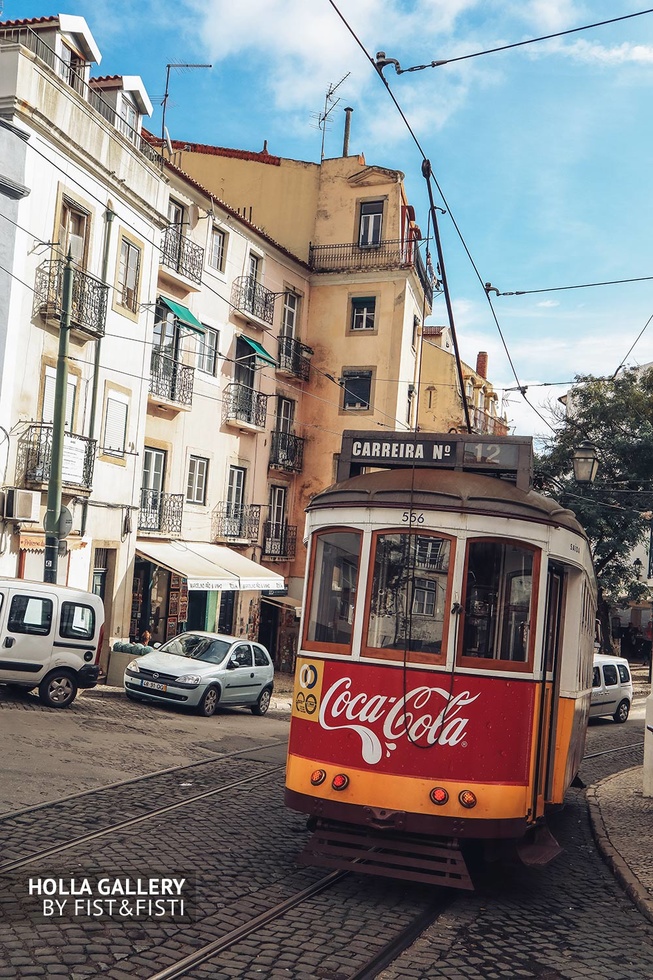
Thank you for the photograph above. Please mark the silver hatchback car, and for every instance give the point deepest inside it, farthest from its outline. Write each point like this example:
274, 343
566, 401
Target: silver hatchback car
201, 670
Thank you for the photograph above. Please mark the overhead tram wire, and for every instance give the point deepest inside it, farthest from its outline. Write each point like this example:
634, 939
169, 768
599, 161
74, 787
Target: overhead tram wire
428, 175
516, 44
378, 66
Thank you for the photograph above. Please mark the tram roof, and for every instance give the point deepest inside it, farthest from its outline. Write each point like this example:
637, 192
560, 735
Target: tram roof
449, 490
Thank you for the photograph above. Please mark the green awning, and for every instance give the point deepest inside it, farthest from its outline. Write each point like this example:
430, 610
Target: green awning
184, 314
260, 351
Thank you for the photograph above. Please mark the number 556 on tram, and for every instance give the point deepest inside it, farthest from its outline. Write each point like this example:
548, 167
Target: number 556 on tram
444, 675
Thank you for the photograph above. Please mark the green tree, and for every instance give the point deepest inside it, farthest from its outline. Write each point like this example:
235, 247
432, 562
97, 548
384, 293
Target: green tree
617, 416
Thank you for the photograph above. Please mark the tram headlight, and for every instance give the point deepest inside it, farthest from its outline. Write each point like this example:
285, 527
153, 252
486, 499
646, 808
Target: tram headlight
317, 777
467, 799
439, 796
340, 782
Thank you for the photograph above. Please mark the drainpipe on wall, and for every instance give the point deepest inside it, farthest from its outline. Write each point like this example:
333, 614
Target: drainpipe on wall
109, 215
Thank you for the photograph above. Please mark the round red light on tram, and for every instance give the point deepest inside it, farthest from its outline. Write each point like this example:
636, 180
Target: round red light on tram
317, 777
467, 799
439, 796
340, 781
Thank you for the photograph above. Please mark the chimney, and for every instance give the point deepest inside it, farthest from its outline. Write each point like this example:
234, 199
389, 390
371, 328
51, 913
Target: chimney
481, 364
345, 143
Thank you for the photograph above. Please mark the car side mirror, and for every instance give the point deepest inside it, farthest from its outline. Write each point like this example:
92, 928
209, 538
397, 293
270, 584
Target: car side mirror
232, 664
156, 645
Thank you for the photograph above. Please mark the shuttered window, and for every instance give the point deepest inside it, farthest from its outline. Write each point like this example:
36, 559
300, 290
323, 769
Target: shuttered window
47, 411
114, 433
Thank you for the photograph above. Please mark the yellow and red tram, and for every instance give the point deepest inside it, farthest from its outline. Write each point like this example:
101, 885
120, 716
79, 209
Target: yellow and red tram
443, 680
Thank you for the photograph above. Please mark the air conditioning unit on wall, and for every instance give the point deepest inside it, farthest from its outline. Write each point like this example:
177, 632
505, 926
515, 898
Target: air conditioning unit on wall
22, 505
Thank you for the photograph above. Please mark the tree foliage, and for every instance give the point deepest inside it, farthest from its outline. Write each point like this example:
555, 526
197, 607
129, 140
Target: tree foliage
616, 415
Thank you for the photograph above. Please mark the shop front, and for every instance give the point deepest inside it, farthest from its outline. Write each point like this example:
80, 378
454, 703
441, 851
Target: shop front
184, 585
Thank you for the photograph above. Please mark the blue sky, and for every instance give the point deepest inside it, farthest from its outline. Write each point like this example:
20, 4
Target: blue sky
543, 152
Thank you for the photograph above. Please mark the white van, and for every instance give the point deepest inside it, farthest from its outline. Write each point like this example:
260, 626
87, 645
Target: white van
612, 687
50, 638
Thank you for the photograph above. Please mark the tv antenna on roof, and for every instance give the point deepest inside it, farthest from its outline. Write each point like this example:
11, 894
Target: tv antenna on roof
329, 105
180, 67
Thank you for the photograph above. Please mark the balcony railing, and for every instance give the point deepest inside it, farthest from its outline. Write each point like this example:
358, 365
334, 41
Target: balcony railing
279, 540
75, 78
180, 253
287, 452
243, 404
249, 296
34, 457
89, 299
386, 255
294, 357
486, 424
240, 521
161, 512
170, 379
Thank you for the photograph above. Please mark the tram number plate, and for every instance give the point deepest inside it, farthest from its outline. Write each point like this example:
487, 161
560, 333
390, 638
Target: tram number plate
154, 685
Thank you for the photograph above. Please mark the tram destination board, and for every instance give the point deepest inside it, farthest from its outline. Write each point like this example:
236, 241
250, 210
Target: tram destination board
507, 456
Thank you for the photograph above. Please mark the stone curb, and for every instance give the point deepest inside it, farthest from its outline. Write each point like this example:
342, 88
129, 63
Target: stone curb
279, 702
628, 880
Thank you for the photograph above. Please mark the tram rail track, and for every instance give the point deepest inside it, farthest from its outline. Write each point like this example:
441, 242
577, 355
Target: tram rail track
57, 848
11, 814
382, 957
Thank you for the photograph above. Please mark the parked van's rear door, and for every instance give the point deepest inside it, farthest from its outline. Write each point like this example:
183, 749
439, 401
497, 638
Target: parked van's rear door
27, 622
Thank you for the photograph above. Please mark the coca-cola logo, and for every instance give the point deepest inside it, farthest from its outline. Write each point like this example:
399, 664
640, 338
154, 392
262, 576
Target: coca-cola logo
428, 715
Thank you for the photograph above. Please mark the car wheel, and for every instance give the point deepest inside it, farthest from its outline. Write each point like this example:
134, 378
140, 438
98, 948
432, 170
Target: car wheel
209, 702
622, 712
58, 688
263, 702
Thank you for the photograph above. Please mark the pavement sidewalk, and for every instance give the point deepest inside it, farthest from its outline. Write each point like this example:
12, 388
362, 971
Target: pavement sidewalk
622, 821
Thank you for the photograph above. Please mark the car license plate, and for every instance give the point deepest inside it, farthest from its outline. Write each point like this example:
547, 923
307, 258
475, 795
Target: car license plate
154, 685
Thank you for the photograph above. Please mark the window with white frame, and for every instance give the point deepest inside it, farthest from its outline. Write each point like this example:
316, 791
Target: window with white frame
49, 385
207, 351
129, 269
114, 431
357, 389
290, 314
363, 313
74, 231
198, 469
217, 249
371, 219
128, 119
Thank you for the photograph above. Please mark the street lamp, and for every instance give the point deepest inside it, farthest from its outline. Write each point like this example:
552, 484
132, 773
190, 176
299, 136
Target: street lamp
586, 462
637, 566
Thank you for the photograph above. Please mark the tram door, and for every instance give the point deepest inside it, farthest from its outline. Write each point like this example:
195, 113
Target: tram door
554, 620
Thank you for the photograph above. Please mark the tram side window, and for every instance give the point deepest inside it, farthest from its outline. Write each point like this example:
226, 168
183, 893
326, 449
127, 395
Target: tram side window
333, 595
407, 597
498, 600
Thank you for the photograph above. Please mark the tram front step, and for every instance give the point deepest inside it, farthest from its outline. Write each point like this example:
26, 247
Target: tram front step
437, 862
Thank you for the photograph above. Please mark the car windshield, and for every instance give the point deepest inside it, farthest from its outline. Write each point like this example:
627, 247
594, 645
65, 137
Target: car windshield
196, 647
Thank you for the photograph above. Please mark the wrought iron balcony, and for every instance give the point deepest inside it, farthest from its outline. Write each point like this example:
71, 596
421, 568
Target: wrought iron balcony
34, 458
240, 521
161, 512
487, 424
249, 296
182, 255
89, 299
287, 452
243, 404
294, 358
170, 379
279, 540
347, 257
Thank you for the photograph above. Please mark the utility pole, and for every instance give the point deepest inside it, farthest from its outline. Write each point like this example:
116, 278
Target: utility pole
51, 522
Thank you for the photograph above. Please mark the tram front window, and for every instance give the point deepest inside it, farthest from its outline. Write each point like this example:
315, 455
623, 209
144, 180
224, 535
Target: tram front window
333, 595
497, 604
407, 597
